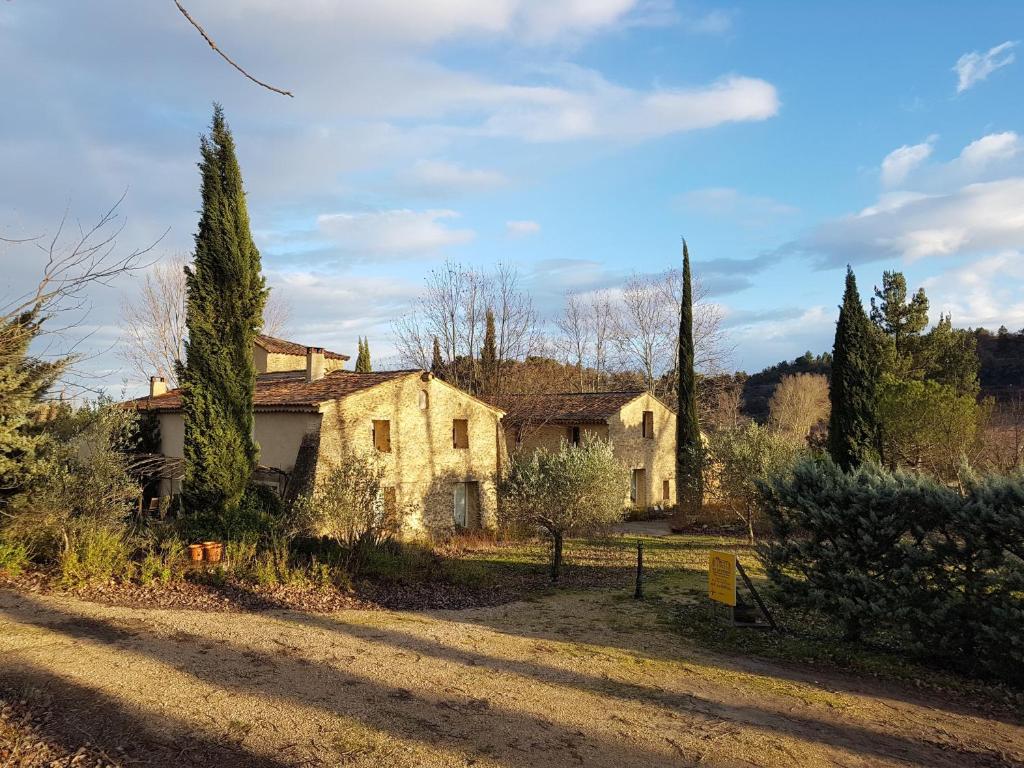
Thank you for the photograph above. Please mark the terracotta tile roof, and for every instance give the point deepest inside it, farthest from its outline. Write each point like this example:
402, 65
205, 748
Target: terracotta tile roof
282, 347
562, 407
292, 393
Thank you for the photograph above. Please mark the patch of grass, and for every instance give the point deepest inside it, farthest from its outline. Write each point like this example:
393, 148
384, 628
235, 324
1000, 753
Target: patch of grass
96, 554
13, 558
677, 590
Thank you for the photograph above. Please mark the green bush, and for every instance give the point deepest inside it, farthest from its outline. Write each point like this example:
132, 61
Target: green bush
96, 553
260, 516
13, 558
899, 553
164, 563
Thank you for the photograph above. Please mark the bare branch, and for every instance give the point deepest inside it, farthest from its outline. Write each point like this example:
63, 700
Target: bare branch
224, 56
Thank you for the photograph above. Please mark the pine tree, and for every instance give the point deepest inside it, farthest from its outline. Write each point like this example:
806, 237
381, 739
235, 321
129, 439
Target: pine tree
689, 448
853, 424
24, 380
901, 322
224, 311
363, 358
489, 357
436, 362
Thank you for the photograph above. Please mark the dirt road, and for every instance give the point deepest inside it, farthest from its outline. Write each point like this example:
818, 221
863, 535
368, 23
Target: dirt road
576, 679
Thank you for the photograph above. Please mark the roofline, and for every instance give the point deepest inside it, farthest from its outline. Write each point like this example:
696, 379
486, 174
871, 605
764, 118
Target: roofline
482, 402
259, 343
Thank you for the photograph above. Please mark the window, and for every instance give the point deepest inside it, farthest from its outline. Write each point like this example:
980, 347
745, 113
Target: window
666, 490
574, 435
424, 399
647, 428
460, 433
382, 435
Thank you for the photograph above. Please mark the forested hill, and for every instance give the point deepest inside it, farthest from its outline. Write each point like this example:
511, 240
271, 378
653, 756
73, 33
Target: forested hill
1000, 372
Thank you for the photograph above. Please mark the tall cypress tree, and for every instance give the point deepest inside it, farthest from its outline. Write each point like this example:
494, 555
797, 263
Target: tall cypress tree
689, 448
363, 358
436, 361
853, 433
489, 356
224, 311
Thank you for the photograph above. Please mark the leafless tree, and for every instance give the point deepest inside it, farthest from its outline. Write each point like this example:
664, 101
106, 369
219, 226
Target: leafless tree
602, 318
641, 328
153, 320
73, 263
799, 403
515, 320
576, 327
453, 308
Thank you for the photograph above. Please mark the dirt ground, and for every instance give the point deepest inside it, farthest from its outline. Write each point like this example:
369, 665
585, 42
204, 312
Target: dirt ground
572, 679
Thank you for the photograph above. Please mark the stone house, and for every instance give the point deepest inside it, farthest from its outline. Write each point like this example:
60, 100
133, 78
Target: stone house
641, 428
440, 446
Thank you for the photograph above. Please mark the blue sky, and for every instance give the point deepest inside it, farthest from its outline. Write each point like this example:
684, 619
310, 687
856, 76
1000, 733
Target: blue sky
578, 140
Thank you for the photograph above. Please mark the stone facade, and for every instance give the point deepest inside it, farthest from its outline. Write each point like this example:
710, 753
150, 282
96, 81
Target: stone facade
422, 466
433, 481
650, 459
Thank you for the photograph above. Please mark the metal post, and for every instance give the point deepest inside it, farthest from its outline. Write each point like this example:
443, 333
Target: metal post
639, 594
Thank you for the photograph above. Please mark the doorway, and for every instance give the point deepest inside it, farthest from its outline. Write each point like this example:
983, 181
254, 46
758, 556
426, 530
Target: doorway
466, 504
638, 488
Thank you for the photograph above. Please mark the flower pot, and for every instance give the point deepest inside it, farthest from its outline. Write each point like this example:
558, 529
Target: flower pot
212, 551
195, 552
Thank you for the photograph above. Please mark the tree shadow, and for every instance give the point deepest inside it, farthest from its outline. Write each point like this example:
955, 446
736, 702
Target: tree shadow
464, 723
73, 714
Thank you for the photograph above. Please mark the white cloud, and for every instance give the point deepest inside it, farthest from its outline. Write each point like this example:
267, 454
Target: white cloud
592, 107
439, 178
996, 147
392, 232
972, 68
985, 292
750, 210
521, 228
898, 164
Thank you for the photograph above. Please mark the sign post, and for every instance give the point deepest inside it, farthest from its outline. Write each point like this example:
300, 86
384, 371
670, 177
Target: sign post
722, 577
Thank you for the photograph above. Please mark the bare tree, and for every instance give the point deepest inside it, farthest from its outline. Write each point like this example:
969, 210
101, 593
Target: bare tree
576, 328
153, 320
640, 334
799, 403
515, 320
602, 317
71, 266
712, 351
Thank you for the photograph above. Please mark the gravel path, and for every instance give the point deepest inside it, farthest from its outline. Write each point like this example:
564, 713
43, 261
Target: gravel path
574, 679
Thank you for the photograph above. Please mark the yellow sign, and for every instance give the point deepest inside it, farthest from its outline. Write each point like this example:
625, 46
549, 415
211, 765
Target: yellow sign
722, 577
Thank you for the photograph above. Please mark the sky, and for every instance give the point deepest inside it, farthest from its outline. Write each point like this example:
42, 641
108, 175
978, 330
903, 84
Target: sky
576, 139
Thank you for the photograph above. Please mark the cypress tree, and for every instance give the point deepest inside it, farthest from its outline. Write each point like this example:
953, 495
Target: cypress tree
853, 433
436, 362
689, 448
224, 311
489, 356
363, 358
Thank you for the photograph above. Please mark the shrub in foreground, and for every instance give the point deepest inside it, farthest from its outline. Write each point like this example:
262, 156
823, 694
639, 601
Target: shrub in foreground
900, 553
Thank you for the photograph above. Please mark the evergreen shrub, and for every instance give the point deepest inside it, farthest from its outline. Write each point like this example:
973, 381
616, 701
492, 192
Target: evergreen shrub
901, 554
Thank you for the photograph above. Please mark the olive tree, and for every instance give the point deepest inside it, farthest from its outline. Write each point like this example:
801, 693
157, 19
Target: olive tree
347, 504
576, 490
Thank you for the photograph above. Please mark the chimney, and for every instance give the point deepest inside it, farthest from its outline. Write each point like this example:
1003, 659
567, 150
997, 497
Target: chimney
157, 386
314, 363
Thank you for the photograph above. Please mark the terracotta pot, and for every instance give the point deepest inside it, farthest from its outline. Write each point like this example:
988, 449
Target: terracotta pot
195, 551
212, 551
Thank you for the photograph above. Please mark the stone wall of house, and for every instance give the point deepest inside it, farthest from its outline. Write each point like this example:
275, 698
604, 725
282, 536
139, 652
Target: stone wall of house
274, 362
654, 454
423, 465
530, 437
